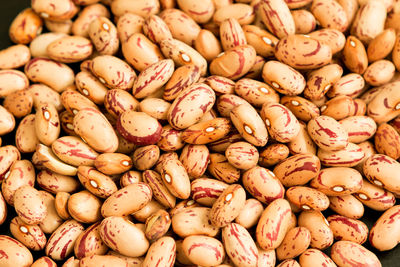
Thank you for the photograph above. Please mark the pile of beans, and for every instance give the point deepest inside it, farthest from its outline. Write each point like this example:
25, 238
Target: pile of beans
200, 133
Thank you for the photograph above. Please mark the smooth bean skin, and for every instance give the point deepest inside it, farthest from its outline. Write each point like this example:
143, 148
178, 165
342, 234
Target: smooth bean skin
344, 252
203, 250
16, 253
384, 234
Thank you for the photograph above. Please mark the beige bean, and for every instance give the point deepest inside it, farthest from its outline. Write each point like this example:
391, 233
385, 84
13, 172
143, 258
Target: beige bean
56, 11
162, 251
348, 229
273, 154
263, 184
359, 128
89, 243
234, 63
207, 131
227, 102
54, 182
277, 18
347, 206
242, 12
351, 85
74, 151
89, 13
12, 81
369, 21
25, 27
56, 75
9, 154
354, 55
117, 101
47, 124
207, 45
183, 54
44, 262
396, 53
130, 177
144, 213
349, 156
200, 12
117, 75
171, 139
15, 252
29, 205
193, 221
275, 74
43, 94
381, 45
84, 207
387, 141
195, 159
176, 178
242, 155
138, 7
73, 101
312, 257
61, 205
343, 252
152, 78
123, 236
206, 191
96, 182
220, 168
255, 92
29, 235
155, 29
385, 232
330, 37
113, 163
296, 241
313, 199
231, 34
321, 80
379, 73
120, 203
19, 103
375, 197
203, 250
313, 52
330, 14
70, 49
103, 34
7, 124
304, 21
273, 224
250, 214
315, 222
302, 108
262, 41
181, 25
157, 225
88, 123
52, 221
303, 142
384, 106
182, 77
129, 24
14, 56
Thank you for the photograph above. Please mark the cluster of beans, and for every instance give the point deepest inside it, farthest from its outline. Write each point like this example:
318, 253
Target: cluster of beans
200, 133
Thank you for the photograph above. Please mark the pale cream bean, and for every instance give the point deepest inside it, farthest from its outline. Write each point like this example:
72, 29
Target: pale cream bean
156, 29
25, 27
312, 257
344, 228
203, 250
228, 205
61, 242
117, 101
97, 260
385, 105
19, 103
349, 156
113, 72
242, 155
255, 92
73, 101
263, 184
162, 251
61, 205
206, 191
302, 108
160, 191
387, 141
375, 197
220, 168
14, 56
123, 236
313, 53
89, 243
200, 12
7, 123
145, 157
139, 128
183, 54
176, 178
182, 26
266, 257
283, 78
43, 94
103, 34
69, 49
120, 203
143, 55
56, 75
347, 206
221, 85
242, 12
88, 123
129, 24
55, 10
249, 124
96, 182
155, 107
54, 182
313, 199
379, 73
277, 18
130, 177
327, 133
239, 245
359, 128
381, 45
138, 7
44, 262
207, 45
195, 159
38, 46
330, 37
12, 81
182, 77
29, 205
296, 241
84, 207
74, 151
234, 63
304, 21
16, 254
144, 213
273, 154
354, 55
343, 252
59, 26
231, 34
369, 21
47, 124
351, 85
227, 102
328, 181
193, 221
153, 78
81, 24
330, 14
273, 224
9, 154
315, 222
250, 214
384, 234
29, 235
52, 221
